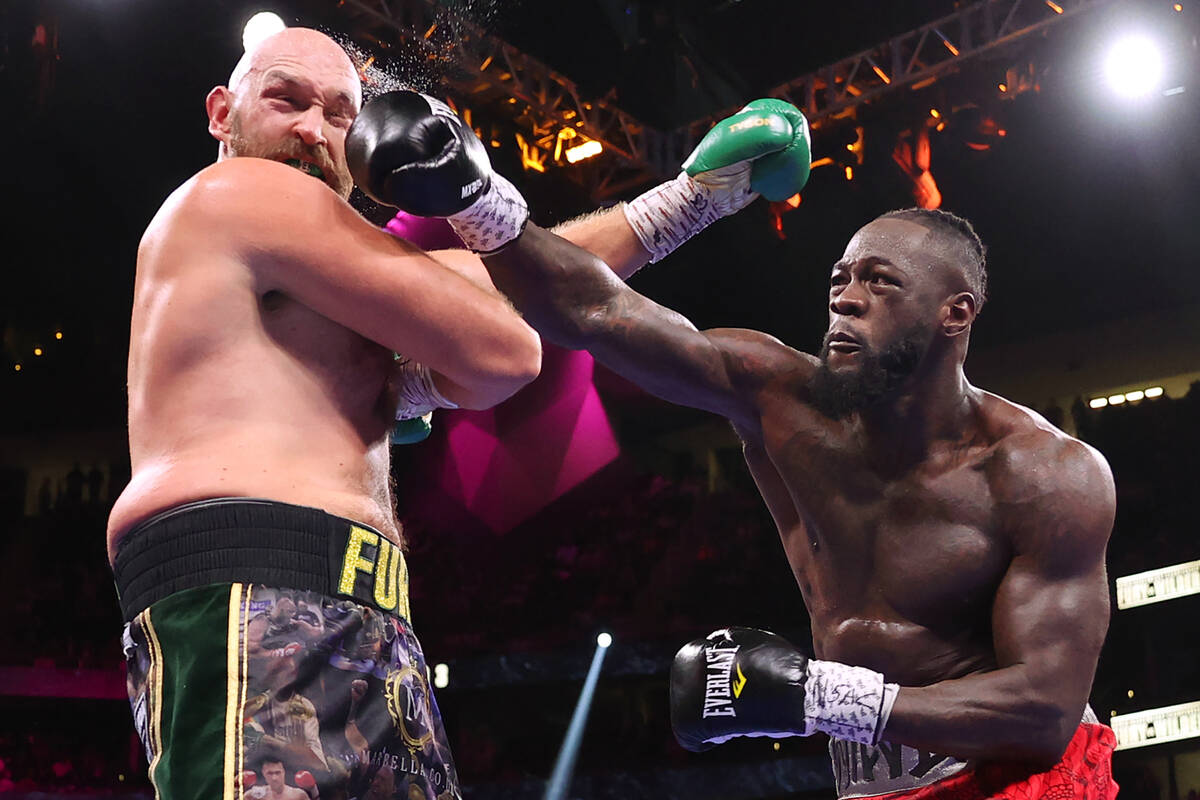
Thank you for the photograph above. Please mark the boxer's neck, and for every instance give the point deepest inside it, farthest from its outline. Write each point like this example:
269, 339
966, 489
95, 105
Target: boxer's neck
933, 408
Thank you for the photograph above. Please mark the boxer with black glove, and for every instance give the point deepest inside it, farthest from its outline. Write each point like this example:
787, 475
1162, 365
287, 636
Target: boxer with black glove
941, 535
747, 682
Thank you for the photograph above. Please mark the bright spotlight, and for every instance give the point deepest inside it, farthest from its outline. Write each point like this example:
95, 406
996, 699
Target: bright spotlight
604, 640
586, 150
259, 27
1134, 66
441, 676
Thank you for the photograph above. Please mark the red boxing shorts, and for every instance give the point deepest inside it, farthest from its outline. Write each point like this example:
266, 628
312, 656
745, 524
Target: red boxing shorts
1083, 773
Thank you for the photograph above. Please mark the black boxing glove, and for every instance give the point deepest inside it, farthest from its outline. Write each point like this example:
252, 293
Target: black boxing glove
748, 682
409, 150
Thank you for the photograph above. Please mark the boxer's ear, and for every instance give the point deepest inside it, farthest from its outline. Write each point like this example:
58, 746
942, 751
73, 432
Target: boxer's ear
219, 105
958, 313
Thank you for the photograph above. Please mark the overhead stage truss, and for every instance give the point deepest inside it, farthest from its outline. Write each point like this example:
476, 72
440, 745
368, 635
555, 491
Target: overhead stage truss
546, 102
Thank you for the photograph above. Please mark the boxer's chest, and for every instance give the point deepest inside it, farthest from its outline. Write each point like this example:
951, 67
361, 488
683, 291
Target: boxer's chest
347, 366
899, 554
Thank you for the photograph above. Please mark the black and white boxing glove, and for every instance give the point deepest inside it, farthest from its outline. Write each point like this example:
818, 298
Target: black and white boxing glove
748, 682
409, 150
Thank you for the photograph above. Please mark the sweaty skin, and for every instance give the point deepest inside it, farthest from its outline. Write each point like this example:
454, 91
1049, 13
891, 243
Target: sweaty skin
266, 312
948, 538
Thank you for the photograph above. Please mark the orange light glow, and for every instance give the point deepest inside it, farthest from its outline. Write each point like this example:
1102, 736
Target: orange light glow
585, 150
933, 112
37, 351
58, 334
1002, 132
794, 200
953, 50
849, 173
821, 162
1055, 7
1004, 87
882, 75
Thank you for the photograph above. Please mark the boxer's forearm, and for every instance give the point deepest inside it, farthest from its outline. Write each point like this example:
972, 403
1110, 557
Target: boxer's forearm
607, 235
560, 288
990, 715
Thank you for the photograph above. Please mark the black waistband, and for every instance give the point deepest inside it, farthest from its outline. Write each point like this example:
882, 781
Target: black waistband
245, 540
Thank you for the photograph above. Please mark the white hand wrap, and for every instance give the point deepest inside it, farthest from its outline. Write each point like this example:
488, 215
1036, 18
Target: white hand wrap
417, 394
494, 220
851, 703
673, 212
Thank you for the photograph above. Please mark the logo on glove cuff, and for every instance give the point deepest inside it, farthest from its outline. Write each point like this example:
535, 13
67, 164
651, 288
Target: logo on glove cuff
471, 188
719, 685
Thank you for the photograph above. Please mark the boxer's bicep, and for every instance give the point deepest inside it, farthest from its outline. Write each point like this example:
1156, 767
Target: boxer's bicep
720, 370
1049, 616
1052, 606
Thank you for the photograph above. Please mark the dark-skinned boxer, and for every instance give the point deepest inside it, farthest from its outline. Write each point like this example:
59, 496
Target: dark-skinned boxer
948, 544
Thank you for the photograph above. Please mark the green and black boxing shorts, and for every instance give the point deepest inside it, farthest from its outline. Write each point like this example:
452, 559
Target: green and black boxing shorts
270, 652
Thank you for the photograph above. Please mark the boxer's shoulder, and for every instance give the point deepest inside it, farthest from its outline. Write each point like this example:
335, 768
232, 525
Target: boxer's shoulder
237, 189
1040, 473
757, 358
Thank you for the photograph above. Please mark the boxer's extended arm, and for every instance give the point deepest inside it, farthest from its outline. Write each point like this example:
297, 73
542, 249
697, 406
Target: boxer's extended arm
607, 235
573, 299
1049, 619
302, 239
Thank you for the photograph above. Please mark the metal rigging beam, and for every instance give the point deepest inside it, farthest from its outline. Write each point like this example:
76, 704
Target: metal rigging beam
547, 101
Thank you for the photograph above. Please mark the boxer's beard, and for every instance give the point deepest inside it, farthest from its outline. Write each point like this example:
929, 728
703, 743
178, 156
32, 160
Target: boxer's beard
337, 177
837, 394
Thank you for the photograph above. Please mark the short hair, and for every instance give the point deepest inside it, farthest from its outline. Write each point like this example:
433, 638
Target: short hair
953, 225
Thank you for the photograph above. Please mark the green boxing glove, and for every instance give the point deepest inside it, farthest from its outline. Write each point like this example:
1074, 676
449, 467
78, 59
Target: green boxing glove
782, 173
763, 149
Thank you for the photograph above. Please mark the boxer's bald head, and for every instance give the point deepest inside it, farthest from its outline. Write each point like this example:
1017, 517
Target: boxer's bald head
313, 48
291, 98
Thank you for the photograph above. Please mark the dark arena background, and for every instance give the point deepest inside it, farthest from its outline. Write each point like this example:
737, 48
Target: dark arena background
1065, 131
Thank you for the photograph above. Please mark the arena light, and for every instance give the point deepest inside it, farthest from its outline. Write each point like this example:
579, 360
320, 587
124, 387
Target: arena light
37, 351
949, 45
441, 676
604, 640
581, 151
58, 335
16, 367
1055, 7
564, 765
1134, 66
1135, 396
259, 27
1156, 725
1158, 585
